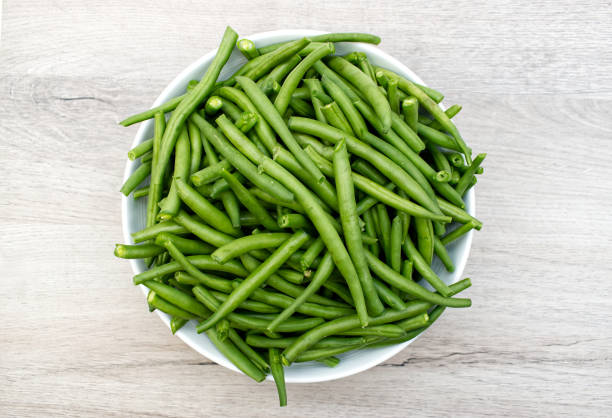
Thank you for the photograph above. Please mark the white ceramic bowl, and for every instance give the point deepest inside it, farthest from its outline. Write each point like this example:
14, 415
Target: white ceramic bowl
133, 213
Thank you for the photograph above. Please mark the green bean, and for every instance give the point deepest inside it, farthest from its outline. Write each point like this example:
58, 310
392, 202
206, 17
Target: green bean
169, 106
349, 90
455, 176
378, 160
233, 354
248, 305
182, 161
137, 251
339, 325
365, 66
262, 128
204, 209
272, 59
331, 37
458, 214
301, 108
147, 157
278, 373
388, 296
325, 191
248, 49
386, 330
425, 238
410, 109
248, 243
140, 149
350, 226
293, 221
395, 244
177, 323
311, 253
230, 109
256, 279
246, 121
202, 262
326, 230
239, 140
379, 192
407, 266
370, 230
213, 105
322, 353
437, 137
277, 74
456, 233
393, 95
384, 224
222, 329
241, 163
366, 86
334, 117
432, 107
202, 231
230, 204
466, 177
178, 298
248, 351
249, 201
136, 178
260, 341
152, 231
191, 100
142, 192
450, 112
156, 302
322, 274
395, 279
292, 276
210, 173
267, 198
196, 147
423, 267
443, 255
439, 159
208, 280
354, 117
296, 75
276, 121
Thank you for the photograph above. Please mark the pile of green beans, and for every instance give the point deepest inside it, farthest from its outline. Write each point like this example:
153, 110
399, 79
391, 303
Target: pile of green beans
297, 209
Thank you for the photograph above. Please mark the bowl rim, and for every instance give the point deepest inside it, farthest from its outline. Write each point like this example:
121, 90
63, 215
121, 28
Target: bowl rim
186, 333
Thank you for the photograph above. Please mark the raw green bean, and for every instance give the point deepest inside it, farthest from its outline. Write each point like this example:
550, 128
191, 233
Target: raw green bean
321, 353
202, 231
230, 109
248, 351
329, 361
311, 253
349, 90
393, 95
246, 121
439, 138
334, 117
152, 231
443, 255
204, 209
395, 279
466, 177
230, 204
249, 201
260, 341
137, 251
248, 243
169, 106
410, 109
388, 296
425, 238
385, 330
213, 105
262, 128
256, 279
140, 149
278, 373
196, 147
272, 59
248, 305
210, 173
233, 354
222, 329
191, 100
456, 233
401, 128
248, 49
354, 117
301, 108
208, 280
147, 157
157, 302
296, 75
366, 86
267, 198
384, 225
178, 298
325, 269
292, 276
293, 221
379, 192
407, 266
424, 268
136, 178
339, 325
370, 230
350, 226
241, 163
326, 230
395, 244
432, 107
450, 112
177, 323
331, 37
182, 161
458, 214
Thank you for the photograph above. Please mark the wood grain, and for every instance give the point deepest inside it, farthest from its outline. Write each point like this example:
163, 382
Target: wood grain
535, 81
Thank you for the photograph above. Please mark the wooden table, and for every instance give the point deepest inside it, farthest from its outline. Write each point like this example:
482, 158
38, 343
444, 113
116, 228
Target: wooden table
535, 82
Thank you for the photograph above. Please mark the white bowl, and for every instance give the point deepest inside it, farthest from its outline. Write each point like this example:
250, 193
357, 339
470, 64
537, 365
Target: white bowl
133, 213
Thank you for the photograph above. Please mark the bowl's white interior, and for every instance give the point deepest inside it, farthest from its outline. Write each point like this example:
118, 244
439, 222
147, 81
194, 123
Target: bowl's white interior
133, 213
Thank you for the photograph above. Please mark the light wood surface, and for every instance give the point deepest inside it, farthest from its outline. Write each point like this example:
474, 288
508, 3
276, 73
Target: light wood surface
535, 82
